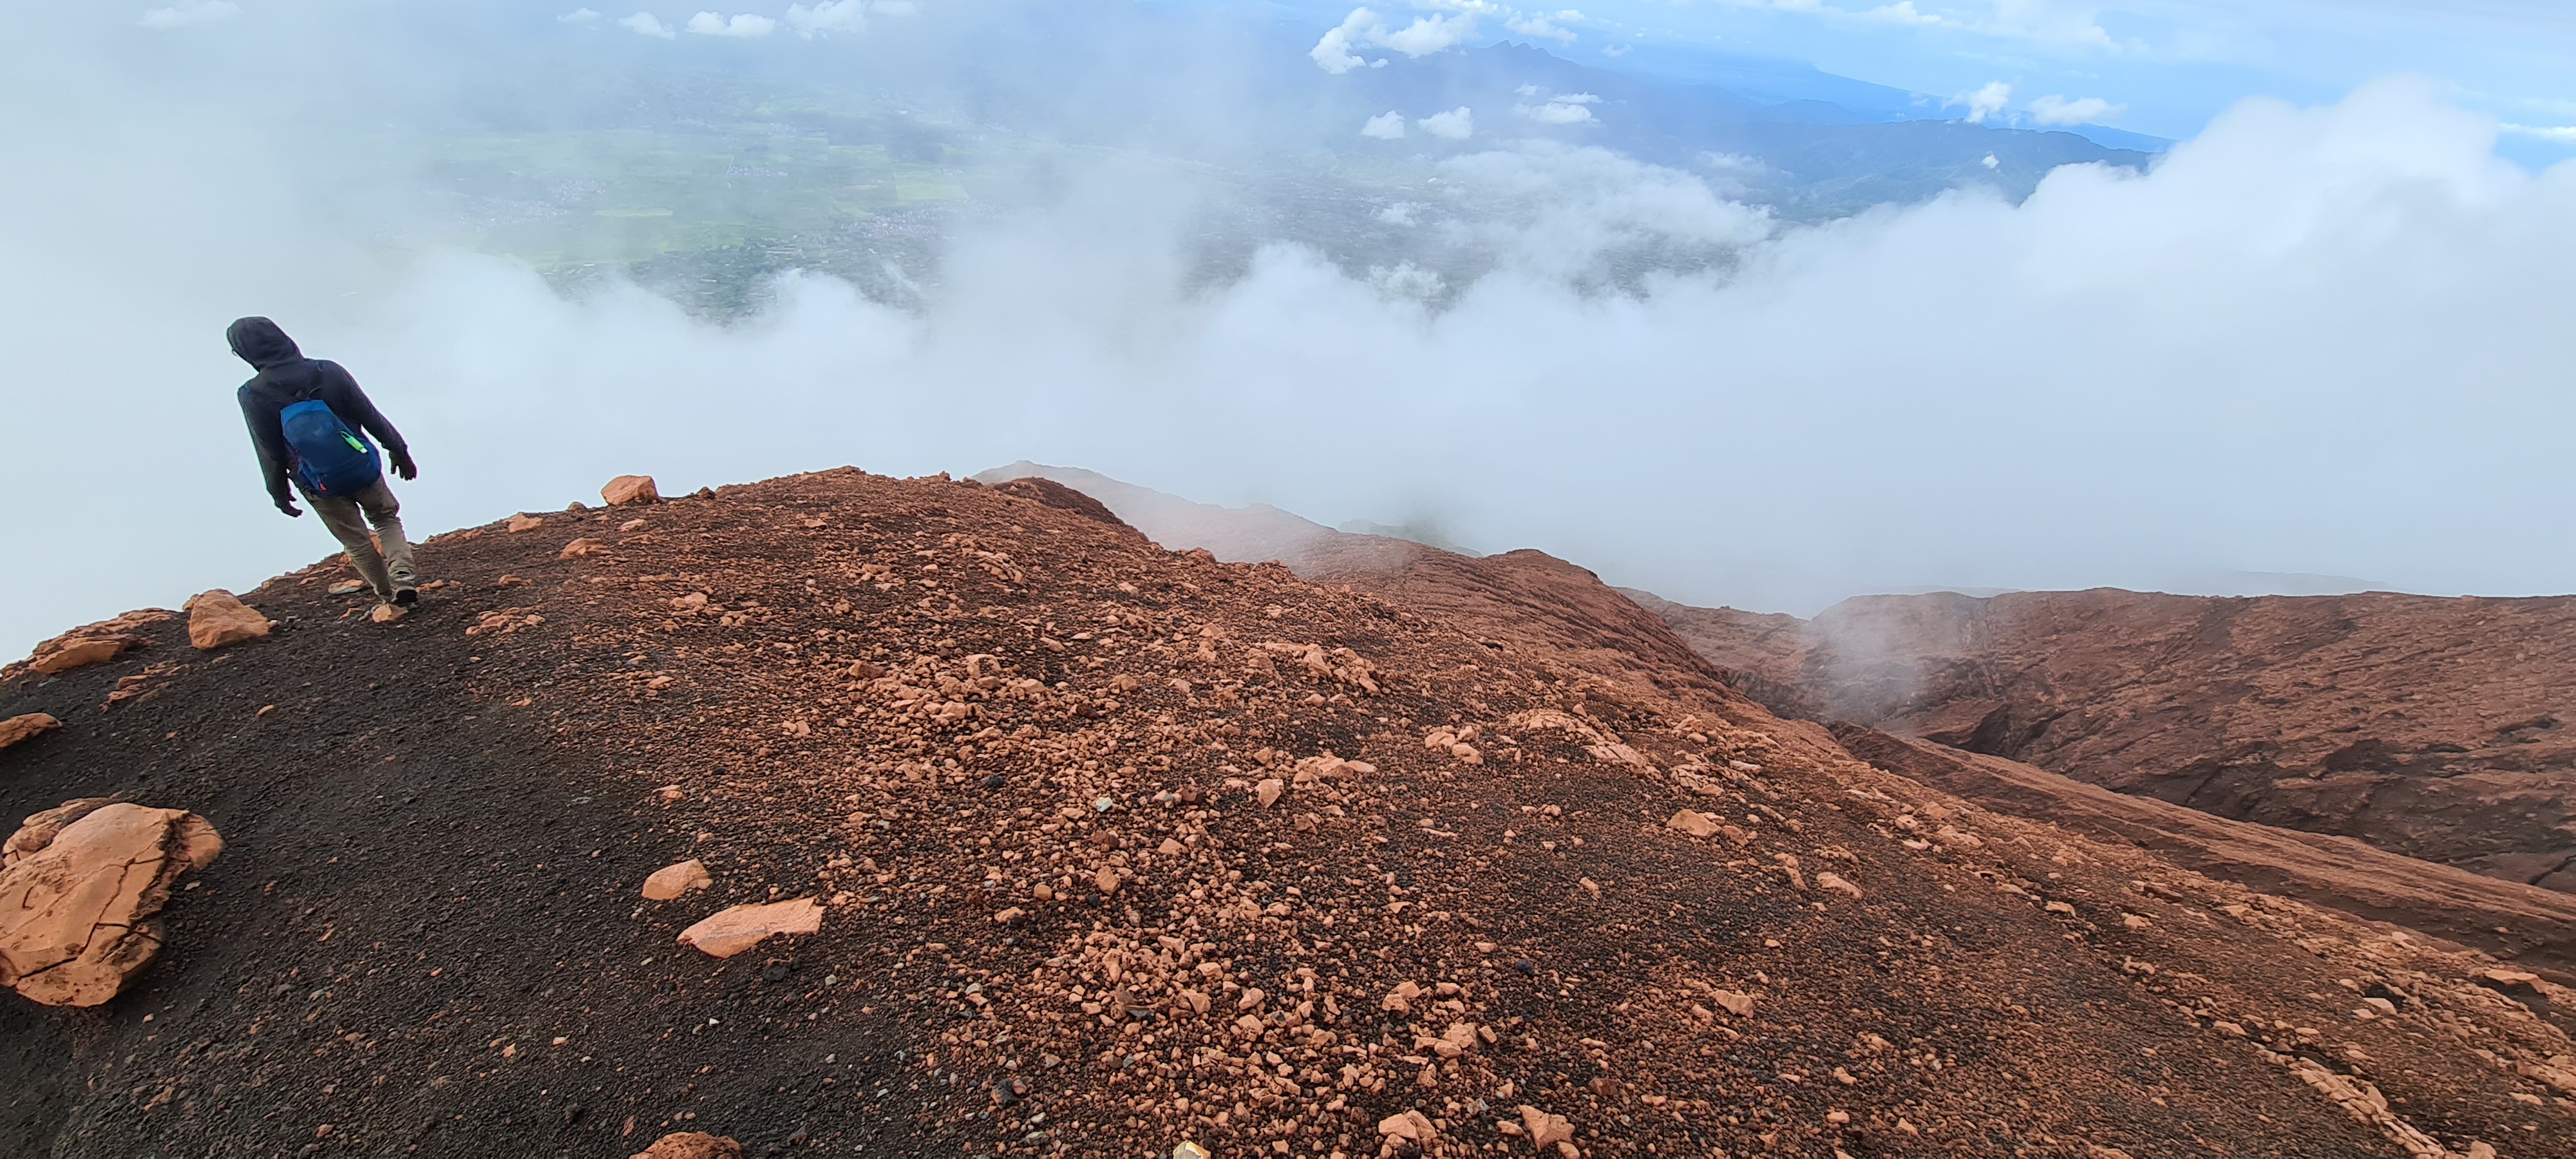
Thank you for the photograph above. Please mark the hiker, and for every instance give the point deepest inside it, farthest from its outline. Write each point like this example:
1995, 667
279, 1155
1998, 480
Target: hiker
306, 417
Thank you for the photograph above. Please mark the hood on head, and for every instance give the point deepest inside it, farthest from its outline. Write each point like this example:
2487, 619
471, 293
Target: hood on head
259, 342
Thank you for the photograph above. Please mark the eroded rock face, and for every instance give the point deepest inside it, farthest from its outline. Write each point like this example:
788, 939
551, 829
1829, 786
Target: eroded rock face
218, 618
691, 1145
79, 892
26, 725
2432, 727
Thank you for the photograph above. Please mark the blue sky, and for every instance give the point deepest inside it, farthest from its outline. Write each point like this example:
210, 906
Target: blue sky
2162, 67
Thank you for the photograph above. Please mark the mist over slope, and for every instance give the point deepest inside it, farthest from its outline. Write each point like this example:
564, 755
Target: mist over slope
2309, 340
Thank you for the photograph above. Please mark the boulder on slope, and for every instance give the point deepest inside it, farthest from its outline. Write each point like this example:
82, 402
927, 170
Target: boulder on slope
626, 489
89, 643
217, 618
26, 725
81, 891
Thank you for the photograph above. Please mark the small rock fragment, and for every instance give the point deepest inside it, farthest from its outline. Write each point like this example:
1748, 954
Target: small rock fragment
581, 547
347, 587
387, 613
1836, 883
1106, 879
1411, 1126
1545, 1130
526, 522
215, 619
731, 931
1693, 822
1268, 791
671, 881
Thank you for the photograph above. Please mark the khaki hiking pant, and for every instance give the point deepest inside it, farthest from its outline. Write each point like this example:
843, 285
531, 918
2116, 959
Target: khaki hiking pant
387, 570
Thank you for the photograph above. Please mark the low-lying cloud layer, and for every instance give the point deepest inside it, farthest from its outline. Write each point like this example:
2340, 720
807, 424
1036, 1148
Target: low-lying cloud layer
2321, 339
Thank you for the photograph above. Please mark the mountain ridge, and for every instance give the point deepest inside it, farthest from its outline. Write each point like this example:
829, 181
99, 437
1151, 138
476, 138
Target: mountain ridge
1296, 864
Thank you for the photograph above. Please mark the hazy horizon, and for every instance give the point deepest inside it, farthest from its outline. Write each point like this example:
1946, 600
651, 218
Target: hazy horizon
2321, 336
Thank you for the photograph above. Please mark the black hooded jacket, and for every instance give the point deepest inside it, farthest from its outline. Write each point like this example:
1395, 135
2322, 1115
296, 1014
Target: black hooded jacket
287, 377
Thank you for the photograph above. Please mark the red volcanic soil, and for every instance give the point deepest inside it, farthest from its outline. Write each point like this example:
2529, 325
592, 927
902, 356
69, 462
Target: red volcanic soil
1118, 847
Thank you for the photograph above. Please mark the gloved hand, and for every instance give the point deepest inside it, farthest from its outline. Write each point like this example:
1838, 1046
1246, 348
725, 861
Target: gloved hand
403, 468
288, 506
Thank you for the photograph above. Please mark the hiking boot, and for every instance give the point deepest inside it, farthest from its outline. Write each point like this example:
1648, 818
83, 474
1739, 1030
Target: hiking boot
406, 597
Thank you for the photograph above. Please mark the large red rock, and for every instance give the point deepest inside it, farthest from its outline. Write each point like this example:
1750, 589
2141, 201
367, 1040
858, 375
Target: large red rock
626, 489
731, 931
79, 894
216, 618
2437, 728
26, 725
90, 643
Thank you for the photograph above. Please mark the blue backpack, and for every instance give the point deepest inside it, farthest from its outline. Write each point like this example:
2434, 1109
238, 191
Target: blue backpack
330, 458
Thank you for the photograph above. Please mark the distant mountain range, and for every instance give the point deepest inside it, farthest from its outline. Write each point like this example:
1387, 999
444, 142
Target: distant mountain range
1792, 83
1791, 153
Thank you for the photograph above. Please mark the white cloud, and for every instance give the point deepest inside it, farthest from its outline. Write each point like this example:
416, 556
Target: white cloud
191, 12
1557, 111
1542, 27
1457, 124
1901, 12
1429, 34
1333, 53
2563, 134
578, 16
1990, 162
1406, 280
896, 8
1337, 50
2057, 110
1400, 213
647, 24
1614, 51
1985, 102
745, 25
828, 16
1555, 211
1384, 126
